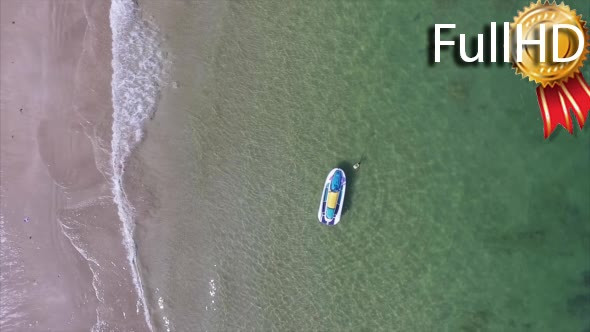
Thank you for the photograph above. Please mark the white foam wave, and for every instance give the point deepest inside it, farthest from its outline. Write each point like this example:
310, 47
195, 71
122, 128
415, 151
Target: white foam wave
81, 247
137, 68
11, 285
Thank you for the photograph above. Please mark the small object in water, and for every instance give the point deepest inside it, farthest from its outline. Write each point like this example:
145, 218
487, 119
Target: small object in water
27, 219
356, 166
332, 197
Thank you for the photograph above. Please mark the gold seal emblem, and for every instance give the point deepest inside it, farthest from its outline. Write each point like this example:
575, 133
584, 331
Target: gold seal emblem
548, 72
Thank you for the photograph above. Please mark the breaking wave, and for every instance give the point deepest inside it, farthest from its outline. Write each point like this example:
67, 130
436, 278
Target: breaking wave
137, 68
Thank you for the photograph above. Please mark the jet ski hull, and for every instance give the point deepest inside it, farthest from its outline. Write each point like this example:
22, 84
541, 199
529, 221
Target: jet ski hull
332, 199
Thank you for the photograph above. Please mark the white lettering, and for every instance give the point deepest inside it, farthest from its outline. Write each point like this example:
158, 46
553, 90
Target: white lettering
478, 56
437, 42
556, 28
493, 42
506, 42
520, 42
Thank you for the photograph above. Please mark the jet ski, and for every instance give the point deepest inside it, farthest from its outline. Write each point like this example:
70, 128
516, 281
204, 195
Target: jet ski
332, 198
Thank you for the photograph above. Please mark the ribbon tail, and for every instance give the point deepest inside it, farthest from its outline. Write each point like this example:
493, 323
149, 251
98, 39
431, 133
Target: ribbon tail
556, 101
554, 109
577, 94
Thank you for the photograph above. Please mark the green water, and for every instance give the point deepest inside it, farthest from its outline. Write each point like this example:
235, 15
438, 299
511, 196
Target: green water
461, 218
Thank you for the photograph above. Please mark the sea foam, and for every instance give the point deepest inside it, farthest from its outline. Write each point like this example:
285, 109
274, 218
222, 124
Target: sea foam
11, 280
137, 68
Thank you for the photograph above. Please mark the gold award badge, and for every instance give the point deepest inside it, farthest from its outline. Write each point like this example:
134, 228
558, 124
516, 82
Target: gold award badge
551, 46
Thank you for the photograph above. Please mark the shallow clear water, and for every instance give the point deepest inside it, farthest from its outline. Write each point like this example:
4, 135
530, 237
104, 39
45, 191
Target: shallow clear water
461, 218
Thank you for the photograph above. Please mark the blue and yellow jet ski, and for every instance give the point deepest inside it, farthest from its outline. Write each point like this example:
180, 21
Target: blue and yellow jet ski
332, 197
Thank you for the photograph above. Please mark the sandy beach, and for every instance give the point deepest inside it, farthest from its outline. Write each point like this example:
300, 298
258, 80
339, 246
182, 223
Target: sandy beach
64, 266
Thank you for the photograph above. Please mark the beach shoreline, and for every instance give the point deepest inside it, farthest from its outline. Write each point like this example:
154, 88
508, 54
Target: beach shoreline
68, 268
161, 179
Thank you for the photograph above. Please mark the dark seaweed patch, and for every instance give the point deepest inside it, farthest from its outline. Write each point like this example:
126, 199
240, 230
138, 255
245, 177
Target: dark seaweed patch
476, 321
532, 236
586, 278
579, 305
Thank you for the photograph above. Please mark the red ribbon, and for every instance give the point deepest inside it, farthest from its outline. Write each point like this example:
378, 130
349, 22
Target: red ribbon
556, 101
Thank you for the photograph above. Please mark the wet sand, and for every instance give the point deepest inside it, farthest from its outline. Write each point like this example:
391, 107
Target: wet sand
63, 261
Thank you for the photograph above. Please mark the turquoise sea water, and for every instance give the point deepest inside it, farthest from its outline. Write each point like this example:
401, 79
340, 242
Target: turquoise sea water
461, 218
